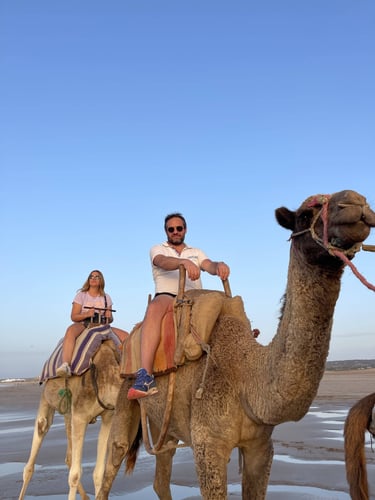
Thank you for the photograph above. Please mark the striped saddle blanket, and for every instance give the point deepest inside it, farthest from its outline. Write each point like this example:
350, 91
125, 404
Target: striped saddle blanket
85, 349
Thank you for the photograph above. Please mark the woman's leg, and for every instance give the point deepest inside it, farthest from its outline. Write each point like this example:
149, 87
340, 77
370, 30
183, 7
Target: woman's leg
72, 332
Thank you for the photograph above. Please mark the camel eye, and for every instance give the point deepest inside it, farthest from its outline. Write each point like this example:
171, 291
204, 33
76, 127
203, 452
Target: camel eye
305, 218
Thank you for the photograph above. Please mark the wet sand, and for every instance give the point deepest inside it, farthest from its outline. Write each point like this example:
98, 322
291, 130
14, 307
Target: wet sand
308, 462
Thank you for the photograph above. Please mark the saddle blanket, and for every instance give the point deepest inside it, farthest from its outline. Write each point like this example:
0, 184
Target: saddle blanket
164, 356
85, 349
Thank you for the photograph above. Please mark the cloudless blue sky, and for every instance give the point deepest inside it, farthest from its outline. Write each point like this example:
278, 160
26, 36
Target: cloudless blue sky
115, 113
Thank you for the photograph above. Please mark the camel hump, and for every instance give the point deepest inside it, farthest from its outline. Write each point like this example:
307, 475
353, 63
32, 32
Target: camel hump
205, 311
235, 307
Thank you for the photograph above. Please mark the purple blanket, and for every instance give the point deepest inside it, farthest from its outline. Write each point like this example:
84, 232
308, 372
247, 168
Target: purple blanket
85, 348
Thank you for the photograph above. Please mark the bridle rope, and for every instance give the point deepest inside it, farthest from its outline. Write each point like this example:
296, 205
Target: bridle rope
323, 200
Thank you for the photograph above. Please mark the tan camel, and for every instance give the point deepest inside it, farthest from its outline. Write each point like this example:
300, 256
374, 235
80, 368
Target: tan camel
359, 420
93, 394
251, 388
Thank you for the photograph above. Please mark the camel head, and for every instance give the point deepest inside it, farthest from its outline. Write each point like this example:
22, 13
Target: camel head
326, 225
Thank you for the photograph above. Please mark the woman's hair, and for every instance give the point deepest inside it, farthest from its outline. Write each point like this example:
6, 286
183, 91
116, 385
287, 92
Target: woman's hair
86, 284
170, 216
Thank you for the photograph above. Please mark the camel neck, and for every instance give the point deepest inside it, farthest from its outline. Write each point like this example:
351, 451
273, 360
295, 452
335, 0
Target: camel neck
302, 340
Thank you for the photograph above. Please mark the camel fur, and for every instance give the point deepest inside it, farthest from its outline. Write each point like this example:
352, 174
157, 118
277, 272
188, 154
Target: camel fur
358, 421
83, 408
250, 388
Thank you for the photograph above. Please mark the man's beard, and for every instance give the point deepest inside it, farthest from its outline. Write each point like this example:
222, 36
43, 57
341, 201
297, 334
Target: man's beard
176, 240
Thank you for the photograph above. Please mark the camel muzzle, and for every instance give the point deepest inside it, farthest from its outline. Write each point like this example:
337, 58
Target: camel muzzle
368, 216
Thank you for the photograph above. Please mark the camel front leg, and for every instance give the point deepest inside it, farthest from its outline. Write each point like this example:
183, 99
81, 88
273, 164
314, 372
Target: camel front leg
42, 425
163, 468
68, 456
211, 467
102, 449
257, 462
78, 429
124, 429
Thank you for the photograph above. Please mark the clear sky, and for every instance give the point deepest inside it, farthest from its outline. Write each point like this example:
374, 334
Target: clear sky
115, 113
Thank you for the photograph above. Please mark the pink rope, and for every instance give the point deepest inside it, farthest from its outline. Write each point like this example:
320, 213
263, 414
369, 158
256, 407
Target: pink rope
323, 199
361, 278
325, 225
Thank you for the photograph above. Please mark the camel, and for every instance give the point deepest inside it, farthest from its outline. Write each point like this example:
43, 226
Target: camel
81, 399
250, 388
360, 418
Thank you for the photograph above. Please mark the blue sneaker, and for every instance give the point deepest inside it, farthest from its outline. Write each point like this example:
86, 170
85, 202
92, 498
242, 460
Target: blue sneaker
143, 386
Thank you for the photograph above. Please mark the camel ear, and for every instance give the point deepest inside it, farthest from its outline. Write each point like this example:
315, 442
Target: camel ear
285, 217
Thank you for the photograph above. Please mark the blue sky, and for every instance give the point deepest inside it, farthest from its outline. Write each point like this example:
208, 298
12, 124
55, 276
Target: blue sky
116, 113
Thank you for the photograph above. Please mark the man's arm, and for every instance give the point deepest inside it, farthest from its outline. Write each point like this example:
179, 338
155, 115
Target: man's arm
172, 263
216, 268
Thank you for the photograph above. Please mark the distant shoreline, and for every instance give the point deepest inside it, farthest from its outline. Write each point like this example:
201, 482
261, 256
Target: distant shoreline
342, 365
350, 364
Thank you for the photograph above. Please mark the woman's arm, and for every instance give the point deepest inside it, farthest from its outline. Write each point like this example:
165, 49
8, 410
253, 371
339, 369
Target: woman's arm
77, 315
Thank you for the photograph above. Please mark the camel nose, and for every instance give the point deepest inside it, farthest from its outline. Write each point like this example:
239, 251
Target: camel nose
368, 216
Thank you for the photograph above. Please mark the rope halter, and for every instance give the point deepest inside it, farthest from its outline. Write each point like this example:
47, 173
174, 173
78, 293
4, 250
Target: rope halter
323, 201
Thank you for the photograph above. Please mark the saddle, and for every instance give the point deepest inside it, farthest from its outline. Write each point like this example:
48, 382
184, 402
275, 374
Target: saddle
86, 346
185, 331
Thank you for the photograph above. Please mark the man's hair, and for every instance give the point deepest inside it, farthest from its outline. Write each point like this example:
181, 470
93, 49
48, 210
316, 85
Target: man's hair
170, 216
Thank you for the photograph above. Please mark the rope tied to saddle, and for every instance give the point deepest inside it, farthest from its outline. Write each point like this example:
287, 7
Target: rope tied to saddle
94, 380
206, 348
323, 201
184, 326
65, 403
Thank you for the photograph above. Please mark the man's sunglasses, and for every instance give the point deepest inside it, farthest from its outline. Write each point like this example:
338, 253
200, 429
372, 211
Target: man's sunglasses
178, 229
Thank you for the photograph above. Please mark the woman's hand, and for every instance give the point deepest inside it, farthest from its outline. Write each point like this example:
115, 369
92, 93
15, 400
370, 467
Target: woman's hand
108, 315
90, 313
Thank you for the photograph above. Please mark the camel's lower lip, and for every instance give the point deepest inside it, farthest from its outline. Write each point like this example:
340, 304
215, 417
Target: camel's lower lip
342, 245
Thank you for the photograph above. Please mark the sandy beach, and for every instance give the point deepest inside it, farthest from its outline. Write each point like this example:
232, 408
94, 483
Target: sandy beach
308, 462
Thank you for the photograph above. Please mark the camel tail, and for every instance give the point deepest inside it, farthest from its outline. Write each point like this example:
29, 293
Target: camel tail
131, 456
356, 424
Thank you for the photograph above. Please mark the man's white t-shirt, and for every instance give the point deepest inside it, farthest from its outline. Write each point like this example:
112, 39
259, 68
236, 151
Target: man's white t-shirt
167, 281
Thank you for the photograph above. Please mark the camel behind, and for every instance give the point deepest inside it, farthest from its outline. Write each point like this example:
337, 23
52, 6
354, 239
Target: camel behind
356, 424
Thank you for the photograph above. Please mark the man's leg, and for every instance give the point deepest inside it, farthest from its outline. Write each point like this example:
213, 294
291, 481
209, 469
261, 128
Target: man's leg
150, 339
